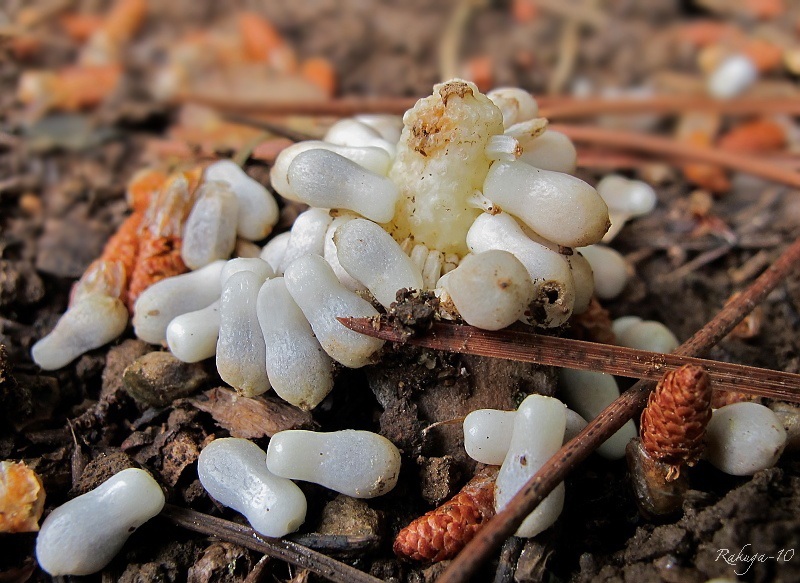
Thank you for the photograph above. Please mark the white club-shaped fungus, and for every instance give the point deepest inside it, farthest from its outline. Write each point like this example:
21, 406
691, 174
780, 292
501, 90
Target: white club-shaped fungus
234, 472
307, 236
258, 211
83, 535
732, 77
192, 337
744, 438
491, 290
387, 125
173, 296
89, 323
331, 254
253, 264
557, 206
550, 271
322, 298
274, 251
374, 159
633, 332
609, 268
588, 393
299, 371
210, 230
358, 134
539, 426
360, 464
514, 103
371, 256
487, 433
626, 199
241, 347
323, 178
550, 151
583, 276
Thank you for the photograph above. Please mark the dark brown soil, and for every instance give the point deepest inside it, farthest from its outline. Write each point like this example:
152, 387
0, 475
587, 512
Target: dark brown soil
62, 195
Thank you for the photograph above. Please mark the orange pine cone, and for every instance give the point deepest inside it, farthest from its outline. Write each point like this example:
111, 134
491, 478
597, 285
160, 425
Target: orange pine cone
441, 533
673, 425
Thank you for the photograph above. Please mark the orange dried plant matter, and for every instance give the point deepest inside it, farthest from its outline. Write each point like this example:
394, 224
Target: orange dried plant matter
441, 533
673, 425
21, 498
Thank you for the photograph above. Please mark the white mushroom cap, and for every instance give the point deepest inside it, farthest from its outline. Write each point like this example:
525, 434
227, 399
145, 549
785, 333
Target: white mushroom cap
610, 270
632, 197
192, 337
550, 151
515, 104
645, 335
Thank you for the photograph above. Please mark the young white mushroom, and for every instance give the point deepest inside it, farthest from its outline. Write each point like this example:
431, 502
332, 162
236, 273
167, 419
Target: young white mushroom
559, 207
626, 199
258, 211
732, 77
633, 332
515, 104
487, 433
550, 151
387, 125
173, 296
246, 249
358, 134
210, 231
89, 323
331, 254
307, 236
274, 251
371, 158
81, 536
609, 268
299, 371
371, 256
322, 298
234, 472
360, 464
539, 426
253, 264
325, 179
192, 337
588, 393
744, 438
554, 295
491, 290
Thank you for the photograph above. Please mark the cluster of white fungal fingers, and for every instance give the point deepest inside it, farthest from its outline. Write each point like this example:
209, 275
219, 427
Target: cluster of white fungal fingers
633, 332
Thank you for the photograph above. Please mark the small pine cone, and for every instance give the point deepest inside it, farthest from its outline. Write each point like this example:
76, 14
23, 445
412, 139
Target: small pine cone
673, 425
441, 533
593, 325
720, 398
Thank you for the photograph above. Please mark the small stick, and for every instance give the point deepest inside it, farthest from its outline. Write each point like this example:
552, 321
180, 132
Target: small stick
274, 547
582, 355
673, 148
335, 107
506, 522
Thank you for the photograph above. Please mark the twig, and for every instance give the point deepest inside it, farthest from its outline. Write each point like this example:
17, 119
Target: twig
582, 355
268, 126
676, 149
555, 470
703, 259
335, 107
450, 43
274, 547
568, 48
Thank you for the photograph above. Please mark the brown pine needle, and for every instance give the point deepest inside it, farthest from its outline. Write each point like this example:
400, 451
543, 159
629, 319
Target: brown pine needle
285, 550
672, 148
506, 522
581, 355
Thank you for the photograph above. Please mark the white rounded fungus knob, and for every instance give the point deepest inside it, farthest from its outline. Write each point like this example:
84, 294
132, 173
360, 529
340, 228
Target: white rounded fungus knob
374, 159
240, 346
609, 268
583, 275
307, 236
557, 206
357, 134
81, 536
331, 255
554, 286
258, 211
588, 393
744, 438
274, 251
491, 290
538, 433
644, 334
387, 125
89, 323
252, 264
732, 77
631, 197
322, 178
360, 464
322, 298
173, 296
514, 103
210, 231
372, 257
550, 151
299, 370
192, 337
234, 472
